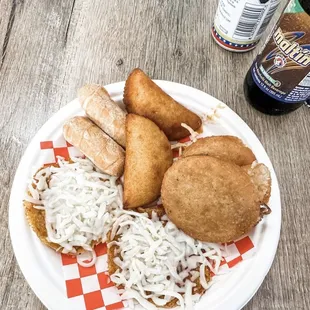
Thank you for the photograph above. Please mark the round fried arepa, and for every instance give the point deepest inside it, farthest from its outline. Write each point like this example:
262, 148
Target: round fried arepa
210, 199
113, 253
36, 220
228, 148
232, 149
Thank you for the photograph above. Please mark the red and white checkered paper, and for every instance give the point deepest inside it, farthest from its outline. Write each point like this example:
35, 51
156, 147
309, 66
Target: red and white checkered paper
91, 288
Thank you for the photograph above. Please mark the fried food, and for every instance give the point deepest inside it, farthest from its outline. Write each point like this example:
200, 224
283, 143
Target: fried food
210, 199
103, 111
260, 176
57, 222
159, 210
112, 268
36, 220
89, 90
148, 156
143, 97
228, 148
104, 152
113, 252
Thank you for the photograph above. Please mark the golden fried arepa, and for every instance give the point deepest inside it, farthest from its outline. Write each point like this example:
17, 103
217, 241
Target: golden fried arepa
113, 252
143, 97
210, 199
148, 156
36, 220
228, 148
112, 268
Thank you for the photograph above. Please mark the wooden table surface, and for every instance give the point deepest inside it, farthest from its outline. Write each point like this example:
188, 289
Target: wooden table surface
50, 48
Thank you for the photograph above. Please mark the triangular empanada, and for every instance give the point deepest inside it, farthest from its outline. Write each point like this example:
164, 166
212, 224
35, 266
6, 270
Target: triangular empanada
143, 97
148, 156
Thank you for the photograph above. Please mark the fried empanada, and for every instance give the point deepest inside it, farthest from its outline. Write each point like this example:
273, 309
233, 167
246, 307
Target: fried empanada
143, 97
148, 156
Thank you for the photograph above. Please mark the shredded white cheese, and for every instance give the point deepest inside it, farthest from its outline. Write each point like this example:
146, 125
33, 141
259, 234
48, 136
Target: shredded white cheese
80, 204
180, 145
193, 134
157, 260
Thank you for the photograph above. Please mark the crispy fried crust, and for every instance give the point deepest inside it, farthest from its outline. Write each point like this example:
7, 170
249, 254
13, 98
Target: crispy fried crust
260, 176
112, 268
143, 97
102, 150
209, 199
159, 210
228, 148
148, 156
91, 89
103, 111
36, 220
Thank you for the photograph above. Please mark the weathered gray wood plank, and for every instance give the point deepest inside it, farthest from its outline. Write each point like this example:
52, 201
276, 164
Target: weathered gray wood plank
53, 47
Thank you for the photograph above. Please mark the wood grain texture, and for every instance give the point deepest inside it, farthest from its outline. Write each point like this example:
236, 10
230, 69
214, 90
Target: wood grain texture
50, 48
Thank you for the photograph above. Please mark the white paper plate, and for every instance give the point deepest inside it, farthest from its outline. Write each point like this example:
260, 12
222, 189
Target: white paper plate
42, 266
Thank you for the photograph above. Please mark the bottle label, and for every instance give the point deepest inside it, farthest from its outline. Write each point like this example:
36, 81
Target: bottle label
239, 24
282, 70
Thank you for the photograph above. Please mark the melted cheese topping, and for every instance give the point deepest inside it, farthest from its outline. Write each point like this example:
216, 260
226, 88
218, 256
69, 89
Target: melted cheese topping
79, 202
157, 261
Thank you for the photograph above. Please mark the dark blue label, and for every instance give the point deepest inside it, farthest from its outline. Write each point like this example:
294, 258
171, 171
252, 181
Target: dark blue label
270, 86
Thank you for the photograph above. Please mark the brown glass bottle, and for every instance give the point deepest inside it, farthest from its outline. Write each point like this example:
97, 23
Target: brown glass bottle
264, 103
278, 81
